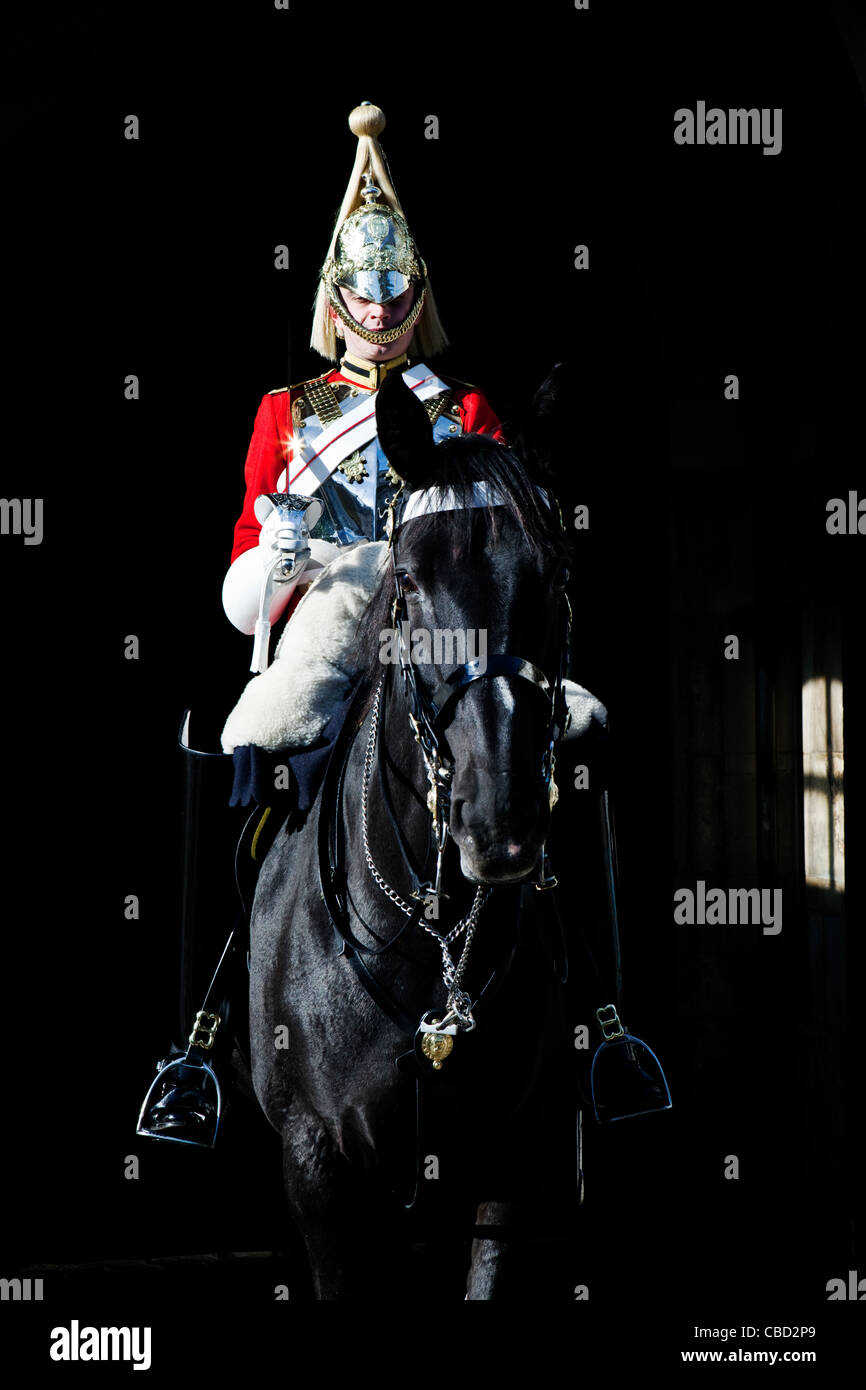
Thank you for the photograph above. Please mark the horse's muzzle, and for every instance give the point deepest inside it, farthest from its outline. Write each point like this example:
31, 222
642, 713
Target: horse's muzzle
498, 822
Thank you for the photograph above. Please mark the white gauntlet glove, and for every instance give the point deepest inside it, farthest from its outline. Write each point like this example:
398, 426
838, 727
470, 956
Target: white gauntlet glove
284, 544
242, 589
286, 532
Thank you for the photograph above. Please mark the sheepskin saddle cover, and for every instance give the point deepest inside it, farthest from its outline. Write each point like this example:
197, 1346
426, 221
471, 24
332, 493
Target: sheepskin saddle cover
289, 704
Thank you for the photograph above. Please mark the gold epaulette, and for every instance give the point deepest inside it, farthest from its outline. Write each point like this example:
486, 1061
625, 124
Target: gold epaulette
323, 400
319, 397
297, 395
443, 404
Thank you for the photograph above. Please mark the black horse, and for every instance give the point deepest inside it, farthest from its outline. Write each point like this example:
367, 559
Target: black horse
382, 1052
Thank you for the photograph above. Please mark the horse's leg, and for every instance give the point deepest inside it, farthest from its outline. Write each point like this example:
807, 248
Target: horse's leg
342, 1216
310, 1163
487, 1269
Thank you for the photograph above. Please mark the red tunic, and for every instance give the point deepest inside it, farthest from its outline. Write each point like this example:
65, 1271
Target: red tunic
271, 445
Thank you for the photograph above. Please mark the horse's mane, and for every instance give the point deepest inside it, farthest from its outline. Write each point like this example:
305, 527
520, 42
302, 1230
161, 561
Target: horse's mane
458, 465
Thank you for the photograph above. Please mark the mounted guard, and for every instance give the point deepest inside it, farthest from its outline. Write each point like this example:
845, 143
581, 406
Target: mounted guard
318, 486
310, 548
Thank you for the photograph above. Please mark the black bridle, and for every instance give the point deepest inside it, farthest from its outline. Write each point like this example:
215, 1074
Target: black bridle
428, 713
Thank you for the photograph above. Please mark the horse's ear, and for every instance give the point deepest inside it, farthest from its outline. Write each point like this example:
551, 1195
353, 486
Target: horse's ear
539, 433
404, 430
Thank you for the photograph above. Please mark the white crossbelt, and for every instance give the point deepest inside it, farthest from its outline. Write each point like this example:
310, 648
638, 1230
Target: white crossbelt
317, 459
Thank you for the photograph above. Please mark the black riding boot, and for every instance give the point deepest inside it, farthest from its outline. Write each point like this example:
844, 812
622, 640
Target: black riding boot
185, 1101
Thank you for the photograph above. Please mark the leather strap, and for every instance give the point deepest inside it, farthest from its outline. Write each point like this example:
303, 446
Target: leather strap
500, 664
332, 876
397, 830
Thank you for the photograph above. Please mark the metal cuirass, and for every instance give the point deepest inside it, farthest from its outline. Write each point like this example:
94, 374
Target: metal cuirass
345, 467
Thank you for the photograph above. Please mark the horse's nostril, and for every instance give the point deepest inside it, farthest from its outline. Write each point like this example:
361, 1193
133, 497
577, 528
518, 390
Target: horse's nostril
497, 806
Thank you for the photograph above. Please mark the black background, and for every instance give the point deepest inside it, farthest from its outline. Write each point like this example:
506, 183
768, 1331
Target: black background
155, 257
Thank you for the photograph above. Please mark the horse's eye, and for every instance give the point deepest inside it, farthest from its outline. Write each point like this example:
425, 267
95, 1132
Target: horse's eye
561, 580
406, 582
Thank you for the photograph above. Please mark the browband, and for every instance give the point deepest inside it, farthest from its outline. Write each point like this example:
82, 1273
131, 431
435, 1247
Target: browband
438, 499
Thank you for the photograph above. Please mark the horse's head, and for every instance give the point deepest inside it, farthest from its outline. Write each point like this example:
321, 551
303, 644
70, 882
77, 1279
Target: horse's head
478, 573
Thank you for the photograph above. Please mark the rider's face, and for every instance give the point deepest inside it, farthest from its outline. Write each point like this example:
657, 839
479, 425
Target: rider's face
376, 317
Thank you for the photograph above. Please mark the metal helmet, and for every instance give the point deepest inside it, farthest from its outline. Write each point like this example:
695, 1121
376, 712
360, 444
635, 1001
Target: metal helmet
375, 256
373, 252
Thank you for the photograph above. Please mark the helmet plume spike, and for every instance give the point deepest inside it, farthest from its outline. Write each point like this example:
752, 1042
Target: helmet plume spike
367, 123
